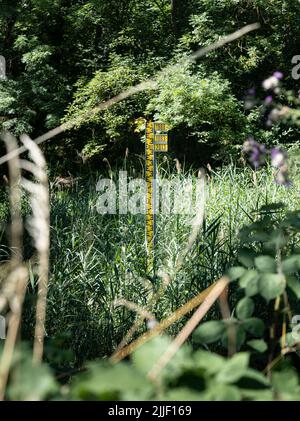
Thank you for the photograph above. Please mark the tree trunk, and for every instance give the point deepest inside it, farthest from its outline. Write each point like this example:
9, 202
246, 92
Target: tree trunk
175, 8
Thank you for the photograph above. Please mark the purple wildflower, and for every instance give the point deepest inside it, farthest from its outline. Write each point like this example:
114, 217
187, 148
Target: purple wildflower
279, 160
272, 82
255, 152
278, 75
268, 99
278, 157
274, 116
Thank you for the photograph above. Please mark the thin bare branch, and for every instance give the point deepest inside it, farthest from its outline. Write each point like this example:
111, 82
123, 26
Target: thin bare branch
144, 314
231, 329
14, 287
20, 277
163, 325
39, 227
189, 327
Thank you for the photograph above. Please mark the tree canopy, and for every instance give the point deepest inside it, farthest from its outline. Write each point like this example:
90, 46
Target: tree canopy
64, 56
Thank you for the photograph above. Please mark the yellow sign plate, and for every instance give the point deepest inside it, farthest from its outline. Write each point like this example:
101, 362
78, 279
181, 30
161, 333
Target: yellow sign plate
161, 148
160, 127
160, 137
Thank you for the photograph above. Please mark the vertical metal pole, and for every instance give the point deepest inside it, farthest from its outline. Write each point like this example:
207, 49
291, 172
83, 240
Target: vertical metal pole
150, 196
156, 141
154, 204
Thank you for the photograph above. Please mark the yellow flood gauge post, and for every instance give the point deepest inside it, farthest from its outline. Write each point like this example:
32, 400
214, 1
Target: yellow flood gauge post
156, 141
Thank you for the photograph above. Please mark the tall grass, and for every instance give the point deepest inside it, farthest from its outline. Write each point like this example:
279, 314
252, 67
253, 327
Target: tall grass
98, 259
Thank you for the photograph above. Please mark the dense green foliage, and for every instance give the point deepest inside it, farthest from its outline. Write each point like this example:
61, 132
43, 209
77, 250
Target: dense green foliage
66, 56
191, 376
255, 242
63, 59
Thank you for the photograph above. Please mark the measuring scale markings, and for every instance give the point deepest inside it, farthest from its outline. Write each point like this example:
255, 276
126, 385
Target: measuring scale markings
156, 141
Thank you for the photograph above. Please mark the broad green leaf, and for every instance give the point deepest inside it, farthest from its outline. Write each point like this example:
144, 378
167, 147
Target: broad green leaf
32, 383
146, 356
291, 264
254, 326
253, 379
252, 288
285, 381
182, 394
246, 257
278, 239
233, 369
265, 264
249, 281
258, 345
224, 392
258, 395
208, 361
293, 219
104, 381
240, 337
248, 276
294, 285
260, 236
271, 285
209, 332
245, 308
236, 272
